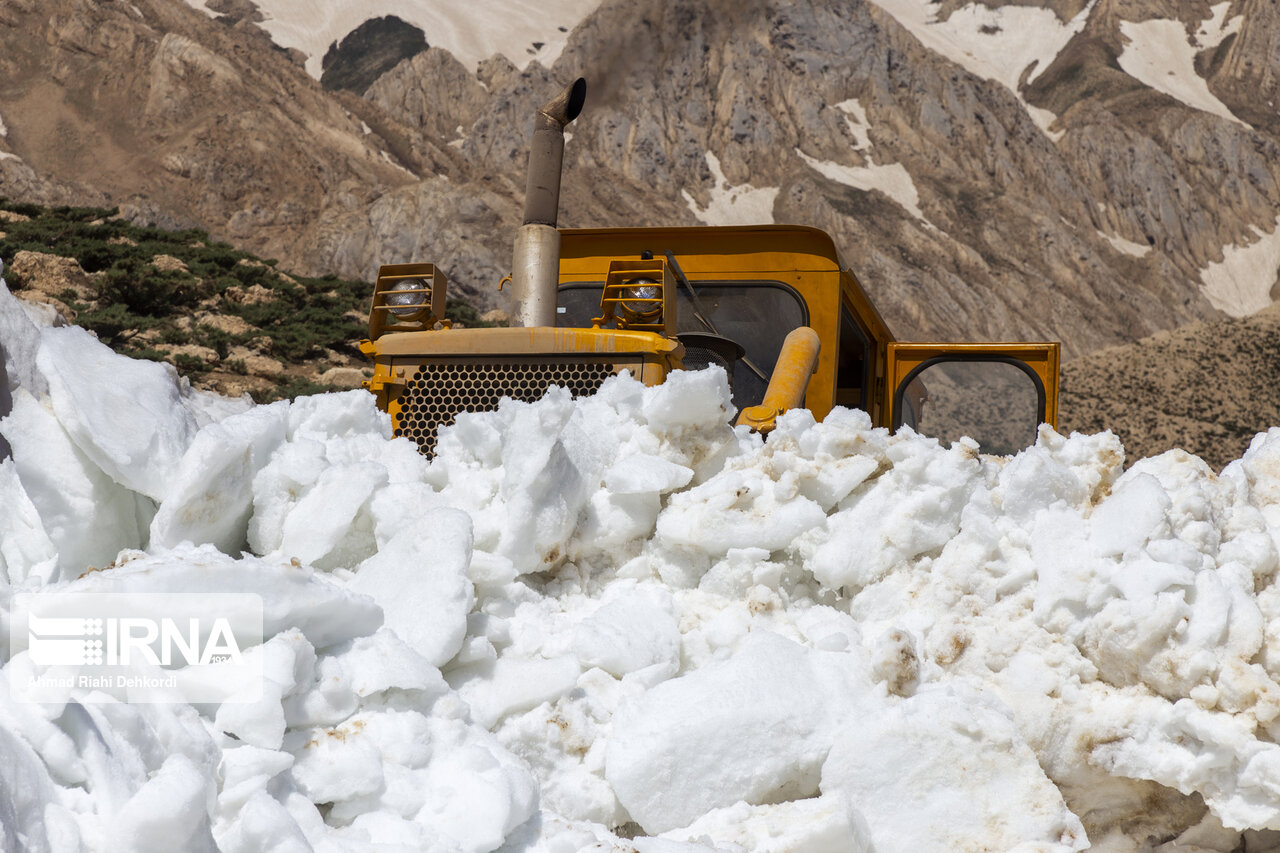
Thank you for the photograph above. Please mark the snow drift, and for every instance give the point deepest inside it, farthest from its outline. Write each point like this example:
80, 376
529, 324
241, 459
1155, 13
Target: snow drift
616, 623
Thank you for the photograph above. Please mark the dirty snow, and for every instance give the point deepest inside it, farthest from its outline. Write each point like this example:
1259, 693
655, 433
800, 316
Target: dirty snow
1241, 283
619, 612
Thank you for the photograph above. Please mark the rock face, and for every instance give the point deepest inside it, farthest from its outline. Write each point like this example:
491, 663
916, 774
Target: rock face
368, 52
978, 191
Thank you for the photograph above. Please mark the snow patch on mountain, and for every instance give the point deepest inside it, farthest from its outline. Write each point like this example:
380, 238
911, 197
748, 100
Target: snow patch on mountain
1214, 29
1125, 247
855, 118
730, 205
1160, 55
1241, 283
520, 30
893, 180
997, 44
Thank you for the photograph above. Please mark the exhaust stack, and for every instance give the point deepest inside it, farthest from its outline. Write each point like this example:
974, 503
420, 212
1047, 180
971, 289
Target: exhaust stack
535, 267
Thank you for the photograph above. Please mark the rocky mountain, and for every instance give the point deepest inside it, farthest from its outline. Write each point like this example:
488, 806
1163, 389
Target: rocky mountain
1093, 172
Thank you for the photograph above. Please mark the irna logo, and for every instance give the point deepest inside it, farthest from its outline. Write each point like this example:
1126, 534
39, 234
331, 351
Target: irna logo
161, 647
124, 641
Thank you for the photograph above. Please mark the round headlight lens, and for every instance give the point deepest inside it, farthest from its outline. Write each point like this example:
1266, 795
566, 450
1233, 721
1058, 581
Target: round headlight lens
402, 302
643, 288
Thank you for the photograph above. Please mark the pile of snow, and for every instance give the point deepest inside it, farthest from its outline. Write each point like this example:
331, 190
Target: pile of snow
588, 620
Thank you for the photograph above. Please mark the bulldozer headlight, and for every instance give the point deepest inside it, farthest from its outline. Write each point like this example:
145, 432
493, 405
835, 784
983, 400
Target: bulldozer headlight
643, 289
408, 297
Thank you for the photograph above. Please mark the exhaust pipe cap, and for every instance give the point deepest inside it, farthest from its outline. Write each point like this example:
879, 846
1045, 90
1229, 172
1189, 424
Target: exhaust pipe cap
577, 97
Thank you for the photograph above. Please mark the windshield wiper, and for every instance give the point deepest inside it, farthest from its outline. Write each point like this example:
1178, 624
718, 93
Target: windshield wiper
700, 314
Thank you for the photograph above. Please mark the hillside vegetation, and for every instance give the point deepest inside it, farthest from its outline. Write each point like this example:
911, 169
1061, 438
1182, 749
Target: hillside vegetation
229, 321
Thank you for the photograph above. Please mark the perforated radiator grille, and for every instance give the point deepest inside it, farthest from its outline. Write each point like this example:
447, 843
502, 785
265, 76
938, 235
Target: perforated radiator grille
440, 390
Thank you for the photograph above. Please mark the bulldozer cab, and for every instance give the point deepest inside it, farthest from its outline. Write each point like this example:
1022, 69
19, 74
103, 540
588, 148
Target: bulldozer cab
753, 285
772, 304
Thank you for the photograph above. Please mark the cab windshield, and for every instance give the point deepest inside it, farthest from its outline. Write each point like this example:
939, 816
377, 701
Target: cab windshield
756, 314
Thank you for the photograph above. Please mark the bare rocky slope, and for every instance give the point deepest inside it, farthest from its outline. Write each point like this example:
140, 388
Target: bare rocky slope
1074, 202
1207, 388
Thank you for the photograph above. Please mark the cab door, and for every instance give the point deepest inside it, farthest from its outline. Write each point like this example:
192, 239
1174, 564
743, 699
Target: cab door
997, 394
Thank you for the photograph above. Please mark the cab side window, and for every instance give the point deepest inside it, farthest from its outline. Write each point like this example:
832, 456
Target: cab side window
853, 363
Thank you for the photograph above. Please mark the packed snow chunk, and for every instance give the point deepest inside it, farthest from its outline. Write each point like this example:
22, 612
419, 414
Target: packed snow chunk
419, 578
284, 660
756, 727
31, 819
292, 471
510, 684
246, 770
19, 341
1034, 481
313, 499
1134, 514
338, 764
944, 771
407, 778
319, 528
552, 462
382, 662
27, 554
832, 458
347, 414
697, 399
825, 824
292, 596
740, 507
88, 516
1192, 750
643, 473
476, 792
913, 508
125, 414
259, 823
635, 630
169, 812
1170, 603
1260, 470
211, 498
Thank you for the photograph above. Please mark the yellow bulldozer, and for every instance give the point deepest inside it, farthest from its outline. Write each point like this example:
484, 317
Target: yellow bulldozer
771, 304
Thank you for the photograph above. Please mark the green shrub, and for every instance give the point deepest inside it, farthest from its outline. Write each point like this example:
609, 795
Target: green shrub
189, 364
114, 325
148, 291
294, 386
